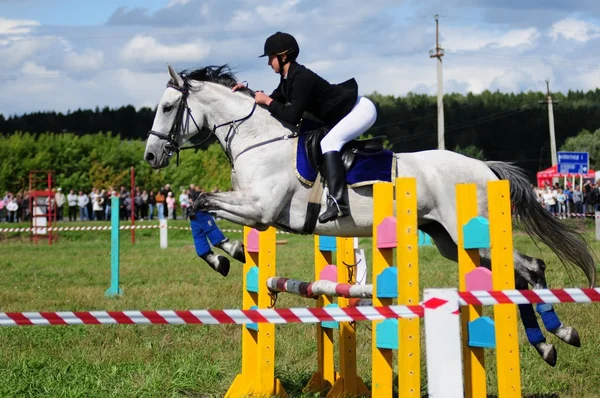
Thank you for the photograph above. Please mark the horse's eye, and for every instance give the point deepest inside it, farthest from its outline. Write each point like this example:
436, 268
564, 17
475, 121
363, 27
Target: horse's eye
167, 108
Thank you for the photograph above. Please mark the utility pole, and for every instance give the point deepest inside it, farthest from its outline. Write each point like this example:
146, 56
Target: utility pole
551, 124
439, 53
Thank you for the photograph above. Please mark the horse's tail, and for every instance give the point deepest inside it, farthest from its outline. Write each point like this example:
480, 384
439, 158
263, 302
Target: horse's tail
564, 240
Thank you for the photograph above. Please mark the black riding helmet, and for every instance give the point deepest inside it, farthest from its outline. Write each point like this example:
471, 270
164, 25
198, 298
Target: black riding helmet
281, 43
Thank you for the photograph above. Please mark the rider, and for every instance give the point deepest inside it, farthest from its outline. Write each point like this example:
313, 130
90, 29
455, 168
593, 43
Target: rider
205, 230
300, 90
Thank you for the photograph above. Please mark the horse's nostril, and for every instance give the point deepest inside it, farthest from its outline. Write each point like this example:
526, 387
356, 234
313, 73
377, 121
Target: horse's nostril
149, 157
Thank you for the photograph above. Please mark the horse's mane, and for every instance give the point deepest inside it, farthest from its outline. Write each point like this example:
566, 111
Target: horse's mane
222, 75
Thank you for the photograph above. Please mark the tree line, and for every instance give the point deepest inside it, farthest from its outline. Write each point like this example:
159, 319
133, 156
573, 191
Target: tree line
103, 160
84, 145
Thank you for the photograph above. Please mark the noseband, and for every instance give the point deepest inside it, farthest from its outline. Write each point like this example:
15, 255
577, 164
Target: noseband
180, 125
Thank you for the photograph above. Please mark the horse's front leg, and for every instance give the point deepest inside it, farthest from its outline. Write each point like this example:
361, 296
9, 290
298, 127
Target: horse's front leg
239, 220
249, 207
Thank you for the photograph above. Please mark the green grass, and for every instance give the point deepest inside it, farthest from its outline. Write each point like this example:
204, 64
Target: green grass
202, 361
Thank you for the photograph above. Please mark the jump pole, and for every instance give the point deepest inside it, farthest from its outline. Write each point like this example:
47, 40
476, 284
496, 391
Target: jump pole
349, 382
503, 278
407, 260
258, 341
326, 377
468, 261
476, 233
114, 289
401, 282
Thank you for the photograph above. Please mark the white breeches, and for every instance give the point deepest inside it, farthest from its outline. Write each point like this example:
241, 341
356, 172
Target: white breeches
359, 120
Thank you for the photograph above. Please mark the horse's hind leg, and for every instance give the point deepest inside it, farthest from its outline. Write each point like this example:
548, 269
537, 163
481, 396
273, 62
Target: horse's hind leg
533, 271
532, 328
527, 270
528, 318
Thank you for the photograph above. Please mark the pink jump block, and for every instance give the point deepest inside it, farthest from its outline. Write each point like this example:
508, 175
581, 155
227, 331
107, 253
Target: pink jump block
479, 279
386, 234
252, 245
329, 273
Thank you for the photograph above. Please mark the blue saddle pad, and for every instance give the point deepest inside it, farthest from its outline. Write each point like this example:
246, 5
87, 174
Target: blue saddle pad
367, 169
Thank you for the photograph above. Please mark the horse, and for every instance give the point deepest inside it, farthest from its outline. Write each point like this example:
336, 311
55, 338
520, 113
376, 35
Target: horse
200, 105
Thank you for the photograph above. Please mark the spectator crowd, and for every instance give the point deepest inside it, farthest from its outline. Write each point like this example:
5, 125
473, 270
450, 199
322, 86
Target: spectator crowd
562, 201
566, 201
96, 205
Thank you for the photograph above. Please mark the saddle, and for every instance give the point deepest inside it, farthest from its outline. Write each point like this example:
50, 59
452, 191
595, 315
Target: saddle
315, 131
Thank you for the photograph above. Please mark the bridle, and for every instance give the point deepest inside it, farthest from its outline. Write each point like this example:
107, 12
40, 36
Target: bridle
182, 123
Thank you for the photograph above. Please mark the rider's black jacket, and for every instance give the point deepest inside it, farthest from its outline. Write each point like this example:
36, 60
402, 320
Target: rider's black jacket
305, 91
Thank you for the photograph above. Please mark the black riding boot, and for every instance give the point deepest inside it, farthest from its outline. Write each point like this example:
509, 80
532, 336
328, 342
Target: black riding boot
336, 185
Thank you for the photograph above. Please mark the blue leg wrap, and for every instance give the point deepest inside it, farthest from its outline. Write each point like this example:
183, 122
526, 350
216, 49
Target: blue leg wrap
532, 328
199, 227
535, 335
549, 317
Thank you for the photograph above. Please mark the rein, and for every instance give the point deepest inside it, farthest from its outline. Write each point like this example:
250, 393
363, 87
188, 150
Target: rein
179, 125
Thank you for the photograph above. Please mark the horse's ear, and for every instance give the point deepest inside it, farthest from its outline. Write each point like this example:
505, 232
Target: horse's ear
175, 78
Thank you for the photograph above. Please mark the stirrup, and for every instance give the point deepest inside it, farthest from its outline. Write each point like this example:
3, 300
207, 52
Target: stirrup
339, 211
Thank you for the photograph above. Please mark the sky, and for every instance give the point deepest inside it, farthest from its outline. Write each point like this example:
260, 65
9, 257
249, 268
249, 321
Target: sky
63, 55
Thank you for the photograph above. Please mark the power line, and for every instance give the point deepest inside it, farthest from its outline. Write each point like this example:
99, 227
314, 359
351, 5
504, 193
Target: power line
456, 126
191, 29
561, 62
552, 27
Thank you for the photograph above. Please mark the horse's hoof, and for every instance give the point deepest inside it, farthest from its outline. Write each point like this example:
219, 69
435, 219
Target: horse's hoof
547, 352
235, 249
569, 335
218, 263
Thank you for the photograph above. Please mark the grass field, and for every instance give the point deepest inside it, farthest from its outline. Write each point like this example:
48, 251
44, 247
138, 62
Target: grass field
202, 361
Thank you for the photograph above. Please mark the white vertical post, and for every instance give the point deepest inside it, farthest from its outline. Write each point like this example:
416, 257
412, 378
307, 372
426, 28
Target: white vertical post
443, 343
361, 261
163, 233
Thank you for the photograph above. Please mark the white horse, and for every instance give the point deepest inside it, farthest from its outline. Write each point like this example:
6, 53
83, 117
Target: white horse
267, 192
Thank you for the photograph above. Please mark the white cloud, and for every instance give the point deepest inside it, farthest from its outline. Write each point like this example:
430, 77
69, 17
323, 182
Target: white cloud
88, 60
471, 38
384, 44
574, 29
321, 65
173, 3
16, 26
280, 13
145, 89
114, 88
14, 52
148, 49
586, 78
513, 81
31, 69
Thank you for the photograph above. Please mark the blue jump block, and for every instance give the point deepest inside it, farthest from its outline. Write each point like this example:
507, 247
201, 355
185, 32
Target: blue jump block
252, 326
482, 333
424, 239
327, 243
252, 280
330, 324
387, 283
476, 233
387, 334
